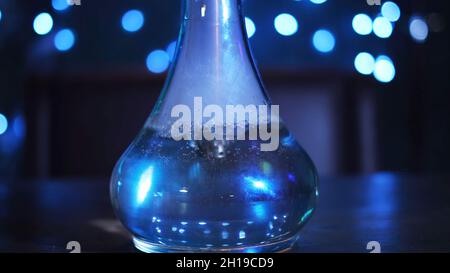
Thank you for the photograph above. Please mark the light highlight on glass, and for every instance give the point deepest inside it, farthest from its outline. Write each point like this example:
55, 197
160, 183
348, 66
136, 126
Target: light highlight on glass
362, 24
364, 63
145, 184
64, 40
418, 29
158, 61
286, 24
384, 69
323, 41
382, 27
250, 26
391, 11
43, 23
132, 20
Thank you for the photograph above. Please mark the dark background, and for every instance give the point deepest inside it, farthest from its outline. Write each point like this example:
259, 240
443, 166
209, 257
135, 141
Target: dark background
72, 114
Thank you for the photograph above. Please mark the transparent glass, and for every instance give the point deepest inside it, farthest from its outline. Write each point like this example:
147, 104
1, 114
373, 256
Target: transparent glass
212, 195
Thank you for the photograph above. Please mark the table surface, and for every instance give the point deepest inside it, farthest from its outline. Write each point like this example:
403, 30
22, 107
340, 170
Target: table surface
404, 213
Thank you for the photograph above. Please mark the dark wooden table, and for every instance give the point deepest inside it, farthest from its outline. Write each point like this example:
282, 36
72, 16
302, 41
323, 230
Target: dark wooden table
403, 213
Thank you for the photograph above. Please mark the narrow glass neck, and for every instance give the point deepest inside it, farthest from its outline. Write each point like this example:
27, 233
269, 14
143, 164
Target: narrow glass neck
213, 30
213, 11
213, 61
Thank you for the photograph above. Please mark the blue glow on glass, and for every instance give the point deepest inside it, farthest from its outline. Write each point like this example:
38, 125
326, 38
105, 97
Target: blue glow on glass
0, 15
251, 250
202, 223
260, 211
391, 11
384, 69
323, 40
364, 63
318, 2
362, 24
158, 61
132, 20
257, 186
43, 23
250, 27
242, 234
145, 184
382, 27
170, 50
3, 124
60, 5
64, 40
286, 24
418, 29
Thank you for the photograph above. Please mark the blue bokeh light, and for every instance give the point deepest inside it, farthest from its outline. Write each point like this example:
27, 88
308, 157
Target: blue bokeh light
362, 24
170, 50
43, 23
286, 24
318, 1
158, 61
324, 41
19, 126
384, 69
391, 11
132, 20
64, 40
382, 27
3, 124
418, 29
250, 26
60, 5
0, 15
364, 63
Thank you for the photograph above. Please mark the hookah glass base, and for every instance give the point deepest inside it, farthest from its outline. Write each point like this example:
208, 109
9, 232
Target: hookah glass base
280, 246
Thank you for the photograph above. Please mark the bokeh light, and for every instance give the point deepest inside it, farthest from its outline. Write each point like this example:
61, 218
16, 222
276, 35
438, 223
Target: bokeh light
0, 15
382, 27
3, 124
318, 1
364, 63
170, 50
384, 69
64, 40
158, 61
286, 24
60, 5
324, 41
132, 20
418, 29
250, 26
362, 24
391, 11
43, 23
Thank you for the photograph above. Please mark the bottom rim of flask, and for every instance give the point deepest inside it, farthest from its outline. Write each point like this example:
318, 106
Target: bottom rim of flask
278, 246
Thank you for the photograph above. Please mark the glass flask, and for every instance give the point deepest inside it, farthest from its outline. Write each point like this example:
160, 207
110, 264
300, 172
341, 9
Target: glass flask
203, 194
